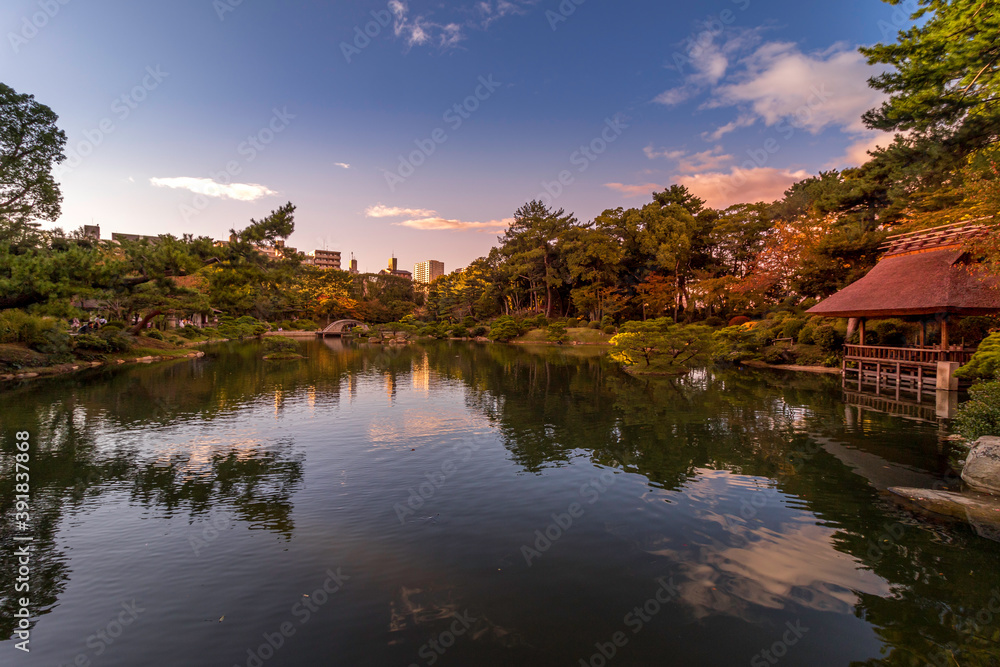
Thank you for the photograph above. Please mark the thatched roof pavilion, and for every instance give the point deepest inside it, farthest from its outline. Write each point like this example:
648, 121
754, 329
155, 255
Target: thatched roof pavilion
926, 274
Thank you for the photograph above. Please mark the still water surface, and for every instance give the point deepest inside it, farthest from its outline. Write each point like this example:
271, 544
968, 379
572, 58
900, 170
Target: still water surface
459, 504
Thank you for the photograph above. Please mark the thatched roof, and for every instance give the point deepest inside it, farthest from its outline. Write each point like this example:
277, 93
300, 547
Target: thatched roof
922, 274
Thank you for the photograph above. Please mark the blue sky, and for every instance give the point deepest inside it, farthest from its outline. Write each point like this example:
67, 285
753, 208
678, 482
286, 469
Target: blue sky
195, 116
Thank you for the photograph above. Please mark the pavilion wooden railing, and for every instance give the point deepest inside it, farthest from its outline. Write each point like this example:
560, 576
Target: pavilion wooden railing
907, 355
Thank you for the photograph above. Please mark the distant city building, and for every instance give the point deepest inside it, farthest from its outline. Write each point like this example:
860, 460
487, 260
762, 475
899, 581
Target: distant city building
394, 270
354, 265
119, 237
323, 259
92, 232
279, 251
427, 272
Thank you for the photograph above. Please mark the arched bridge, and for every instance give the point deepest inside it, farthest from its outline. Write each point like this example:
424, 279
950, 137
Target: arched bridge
340, 327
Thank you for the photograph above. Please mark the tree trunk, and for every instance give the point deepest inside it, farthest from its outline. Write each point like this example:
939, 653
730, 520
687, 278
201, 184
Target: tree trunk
144, 321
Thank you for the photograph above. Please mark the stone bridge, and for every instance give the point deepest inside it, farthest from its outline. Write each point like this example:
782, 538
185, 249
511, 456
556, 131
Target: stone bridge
340, 327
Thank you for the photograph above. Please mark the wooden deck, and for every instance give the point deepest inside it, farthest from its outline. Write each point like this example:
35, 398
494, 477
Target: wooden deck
896, 369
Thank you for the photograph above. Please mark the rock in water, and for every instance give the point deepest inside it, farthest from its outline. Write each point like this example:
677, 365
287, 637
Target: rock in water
982, 467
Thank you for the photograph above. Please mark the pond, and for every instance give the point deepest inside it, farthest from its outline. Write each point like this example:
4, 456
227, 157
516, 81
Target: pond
467, 504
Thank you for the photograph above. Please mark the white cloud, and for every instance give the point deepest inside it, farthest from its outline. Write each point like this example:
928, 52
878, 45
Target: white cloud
209, 188
675, 96
811, 91
644, 189
690, 163
653, 153
342, 165
442, 224
744, 120
721, 189
380, 211
857, 152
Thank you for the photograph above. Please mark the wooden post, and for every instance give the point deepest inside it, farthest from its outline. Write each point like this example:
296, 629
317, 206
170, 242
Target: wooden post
923, 333
861, 331
944, 334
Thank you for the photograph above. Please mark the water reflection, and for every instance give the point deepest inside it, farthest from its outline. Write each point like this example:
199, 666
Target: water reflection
756, 492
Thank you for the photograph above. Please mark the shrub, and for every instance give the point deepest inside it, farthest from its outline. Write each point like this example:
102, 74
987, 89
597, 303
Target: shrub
304, 325
594, 325
278, 345
714, 321
985, 363
459, 331
187, 332
980, 415
828, 338
891, 333
504, 329
556, 333
791, 327
806, 335
469, 321
479, 332
609, 330
91, 342
154, 334
117, 323
606, 321
739, 320
117, 340
974, 329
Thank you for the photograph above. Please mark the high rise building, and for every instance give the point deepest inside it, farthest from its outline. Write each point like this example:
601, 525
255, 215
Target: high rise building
394, 270
427, 272
327, 259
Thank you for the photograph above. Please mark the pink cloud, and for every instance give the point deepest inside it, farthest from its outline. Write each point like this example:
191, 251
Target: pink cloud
721, 189
634, 190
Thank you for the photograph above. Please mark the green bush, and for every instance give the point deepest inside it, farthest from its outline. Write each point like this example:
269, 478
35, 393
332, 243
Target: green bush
609, 330
791, 327
92, 343
806, 335
479, 332
556, 333
189, 333
504, 329
154, 334
828, 338
985, 363
714, 321
117, 340
980, 415
278, 345
974, 329
607, 321
889, 333
469, 321
117, 323
304, 325
459, 331
594, 325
